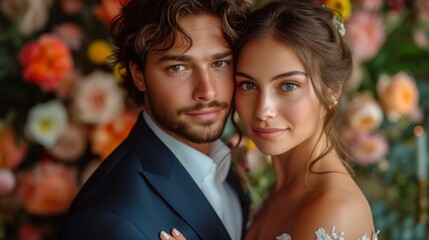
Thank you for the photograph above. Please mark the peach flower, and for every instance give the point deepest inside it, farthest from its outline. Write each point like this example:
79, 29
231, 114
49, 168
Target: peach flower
398, 95
47, 188
365, 34
45, 61
12, 149
105, 138
369, 149
363, 113
71, 144
98, 98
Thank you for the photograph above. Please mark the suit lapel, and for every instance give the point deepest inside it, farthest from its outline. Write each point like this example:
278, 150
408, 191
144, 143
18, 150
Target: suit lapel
170, 179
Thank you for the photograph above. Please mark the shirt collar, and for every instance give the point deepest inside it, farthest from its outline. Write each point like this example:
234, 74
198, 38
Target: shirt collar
196, 163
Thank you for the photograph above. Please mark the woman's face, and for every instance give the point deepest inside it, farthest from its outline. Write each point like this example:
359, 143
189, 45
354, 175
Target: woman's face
275, 98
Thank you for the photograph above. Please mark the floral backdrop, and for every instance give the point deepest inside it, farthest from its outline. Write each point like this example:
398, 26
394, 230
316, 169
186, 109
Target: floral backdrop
62, 110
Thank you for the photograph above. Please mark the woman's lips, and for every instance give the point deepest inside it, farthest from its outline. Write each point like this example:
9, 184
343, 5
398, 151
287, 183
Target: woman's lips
268, 133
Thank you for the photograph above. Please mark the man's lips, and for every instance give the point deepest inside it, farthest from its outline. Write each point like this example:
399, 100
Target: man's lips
206, 114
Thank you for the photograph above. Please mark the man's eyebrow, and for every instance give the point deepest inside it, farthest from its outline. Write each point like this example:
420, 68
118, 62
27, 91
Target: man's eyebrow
185, 58
280, 76
222, 55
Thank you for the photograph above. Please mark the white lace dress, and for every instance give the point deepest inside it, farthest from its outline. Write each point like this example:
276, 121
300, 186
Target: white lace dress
322, 235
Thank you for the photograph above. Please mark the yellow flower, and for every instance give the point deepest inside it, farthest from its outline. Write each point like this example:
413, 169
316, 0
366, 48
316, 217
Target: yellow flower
250, 145
118, 72
99, 51
343, 7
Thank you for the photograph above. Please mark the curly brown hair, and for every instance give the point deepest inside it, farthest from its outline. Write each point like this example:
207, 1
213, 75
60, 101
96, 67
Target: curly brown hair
141, 24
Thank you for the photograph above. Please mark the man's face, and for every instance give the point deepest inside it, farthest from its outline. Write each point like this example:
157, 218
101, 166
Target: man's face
189, 92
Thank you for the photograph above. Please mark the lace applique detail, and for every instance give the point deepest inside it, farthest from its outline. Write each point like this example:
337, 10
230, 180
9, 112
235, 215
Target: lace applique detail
322, 235
284, 236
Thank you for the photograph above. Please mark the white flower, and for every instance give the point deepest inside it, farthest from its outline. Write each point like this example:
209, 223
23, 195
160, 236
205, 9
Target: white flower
364, 114
46, 121
322, 235
367, 118
98, 98
284, 236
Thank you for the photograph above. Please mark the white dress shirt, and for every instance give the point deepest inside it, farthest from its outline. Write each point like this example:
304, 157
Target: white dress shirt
209, 173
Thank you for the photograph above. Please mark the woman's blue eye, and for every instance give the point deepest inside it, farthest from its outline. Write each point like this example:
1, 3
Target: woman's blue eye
289, 86
247, 86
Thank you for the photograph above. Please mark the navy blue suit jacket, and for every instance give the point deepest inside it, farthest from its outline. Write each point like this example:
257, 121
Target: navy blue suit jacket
141, 189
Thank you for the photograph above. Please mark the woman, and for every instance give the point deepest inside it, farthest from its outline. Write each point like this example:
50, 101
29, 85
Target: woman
291, 67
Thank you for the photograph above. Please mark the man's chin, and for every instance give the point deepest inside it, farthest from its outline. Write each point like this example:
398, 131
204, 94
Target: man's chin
203, 134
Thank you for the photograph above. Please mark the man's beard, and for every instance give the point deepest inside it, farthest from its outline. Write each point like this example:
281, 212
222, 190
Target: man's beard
170, 121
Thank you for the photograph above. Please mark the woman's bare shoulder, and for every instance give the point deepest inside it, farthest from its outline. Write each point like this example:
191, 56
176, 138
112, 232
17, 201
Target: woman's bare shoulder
337, 202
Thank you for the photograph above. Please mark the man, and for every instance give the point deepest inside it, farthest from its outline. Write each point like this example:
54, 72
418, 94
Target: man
172, 170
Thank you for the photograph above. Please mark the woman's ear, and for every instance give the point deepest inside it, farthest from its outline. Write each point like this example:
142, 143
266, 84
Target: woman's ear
137, 76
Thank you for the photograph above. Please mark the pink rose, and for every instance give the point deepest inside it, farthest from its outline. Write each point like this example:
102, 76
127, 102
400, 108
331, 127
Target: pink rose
365, 34
98, 98
7, 181
369, 149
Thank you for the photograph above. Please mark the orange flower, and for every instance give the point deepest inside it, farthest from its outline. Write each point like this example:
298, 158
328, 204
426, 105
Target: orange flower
12, 150
45, 62
108, 9
398, 95
105, 138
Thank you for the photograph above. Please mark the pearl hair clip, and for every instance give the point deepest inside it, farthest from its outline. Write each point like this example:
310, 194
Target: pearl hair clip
339, 25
